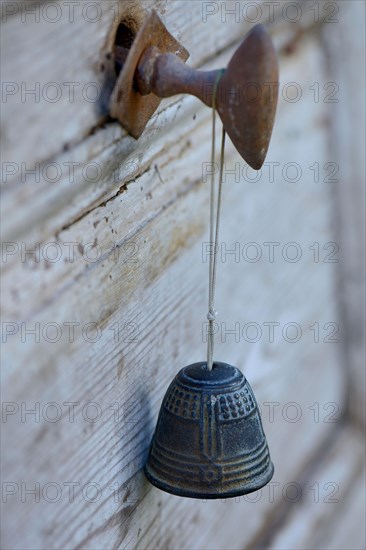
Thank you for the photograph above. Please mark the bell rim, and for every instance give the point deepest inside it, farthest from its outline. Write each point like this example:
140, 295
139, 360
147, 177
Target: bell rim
180, 492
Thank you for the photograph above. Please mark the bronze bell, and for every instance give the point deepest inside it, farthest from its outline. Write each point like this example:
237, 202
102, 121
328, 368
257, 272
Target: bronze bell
209, 440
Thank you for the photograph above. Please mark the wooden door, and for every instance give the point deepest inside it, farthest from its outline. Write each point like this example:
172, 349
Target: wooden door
104, 283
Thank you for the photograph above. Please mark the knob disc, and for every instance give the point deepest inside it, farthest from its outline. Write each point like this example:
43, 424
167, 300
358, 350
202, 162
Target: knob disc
247, 96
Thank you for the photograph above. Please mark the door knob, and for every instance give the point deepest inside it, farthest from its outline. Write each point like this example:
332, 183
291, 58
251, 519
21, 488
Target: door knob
246, 93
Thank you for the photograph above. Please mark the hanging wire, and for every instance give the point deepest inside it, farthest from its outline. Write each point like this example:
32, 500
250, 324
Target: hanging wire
214, 231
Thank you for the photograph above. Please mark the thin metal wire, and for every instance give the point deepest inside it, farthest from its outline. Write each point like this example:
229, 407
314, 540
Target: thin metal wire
214, 243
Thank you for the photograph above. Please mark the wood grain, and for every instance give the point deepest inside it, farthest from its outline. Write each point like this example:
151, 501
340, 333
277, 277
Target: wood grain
74, 175
348, 144
146, 216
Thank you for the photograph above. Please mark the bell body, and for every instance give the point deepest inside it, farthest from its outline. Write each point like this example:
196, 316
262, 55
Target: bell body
209, 440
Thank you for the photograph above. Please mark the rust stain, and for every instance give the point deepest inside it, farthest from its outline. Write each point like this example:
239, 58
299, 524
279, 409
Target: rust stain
120, 366
167, 251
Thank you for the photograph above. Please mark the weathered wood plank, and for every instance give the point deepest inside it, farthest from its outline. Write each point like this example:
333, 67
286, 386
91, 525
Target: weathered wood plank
95, 169
349, 531
331, 509
348, 146
150, 201
79, 39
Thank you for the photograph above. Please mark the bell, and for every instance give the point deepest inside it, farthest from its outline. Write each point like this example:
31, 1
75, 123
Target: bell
209, 440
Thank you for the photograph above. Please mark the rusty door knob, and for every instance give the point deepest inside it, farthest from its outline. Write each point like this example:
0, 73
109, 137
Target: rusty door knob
246, 94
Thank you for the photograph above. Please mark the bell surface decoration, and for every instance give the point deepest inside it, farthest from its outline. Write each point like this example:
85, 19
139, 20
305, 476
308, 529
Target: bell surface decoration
209, 440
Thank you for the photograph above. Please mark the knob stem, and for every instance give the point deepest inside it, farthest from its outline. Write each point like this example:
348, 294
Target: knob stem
166, 75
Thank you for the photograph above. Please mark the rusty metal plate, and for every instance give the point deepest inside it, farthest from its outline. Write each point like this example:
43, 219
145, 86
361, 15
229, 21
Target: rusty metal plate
129, 107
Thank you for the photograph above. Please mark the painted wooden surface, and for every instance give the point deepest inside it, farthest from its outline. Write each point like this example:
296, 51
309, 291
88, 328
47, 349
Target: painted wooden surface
348, 141
122, 305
